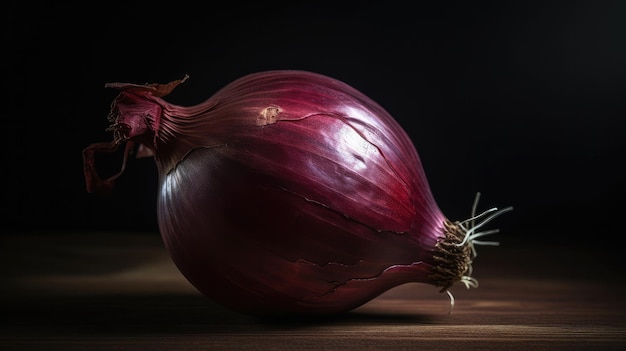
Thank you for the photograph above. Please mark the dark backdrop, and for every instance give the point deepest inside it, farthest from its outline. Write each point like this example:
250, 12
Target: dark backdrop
520, 100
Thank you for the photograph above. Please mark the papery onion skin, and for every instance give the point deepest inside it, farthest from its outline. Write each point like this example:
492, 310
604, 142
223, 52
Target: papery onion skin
288, 192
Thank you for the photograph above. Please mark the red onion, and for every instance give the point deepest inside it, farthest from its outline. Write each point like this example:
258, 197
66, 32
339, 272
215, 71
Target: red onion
290, 192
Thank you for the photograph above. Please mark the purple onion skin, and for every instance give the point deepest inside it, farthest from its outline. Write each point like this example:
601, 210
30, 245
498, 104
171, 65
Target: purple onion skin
286, 192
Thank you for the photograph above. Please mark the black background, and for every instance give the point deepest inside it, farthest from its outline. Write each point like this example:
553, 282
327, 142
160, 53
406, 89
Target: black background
523, 101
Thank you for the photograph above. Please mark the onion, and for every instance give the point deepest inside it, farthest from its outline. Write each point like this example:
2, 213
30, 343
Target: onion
289, 192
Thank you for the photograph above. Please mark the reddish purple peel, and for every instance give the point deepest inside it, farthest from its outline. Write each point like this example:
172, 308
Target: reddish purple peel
287, 192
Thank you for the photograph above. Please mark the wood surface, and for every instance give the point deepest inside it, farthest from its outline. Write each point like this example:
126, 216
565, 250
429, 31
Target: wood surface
120, 291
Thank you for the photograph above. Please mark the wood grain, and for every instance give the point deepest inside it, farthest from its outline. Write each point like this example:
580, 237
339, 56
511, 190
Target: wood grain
120, 291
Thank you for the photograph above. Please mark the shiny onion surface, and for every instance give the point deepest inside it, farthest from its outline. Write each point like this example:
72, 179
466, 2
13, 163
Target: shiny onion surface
289, 192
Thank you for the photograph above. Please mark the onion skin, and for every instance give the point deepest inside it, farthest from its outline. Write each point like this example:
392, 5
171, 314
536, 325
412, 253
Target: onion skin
287, 192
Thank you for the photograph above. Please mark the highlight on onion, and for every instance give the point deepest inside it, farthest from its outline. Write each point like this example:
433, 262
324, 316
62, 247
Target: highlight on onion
290, 192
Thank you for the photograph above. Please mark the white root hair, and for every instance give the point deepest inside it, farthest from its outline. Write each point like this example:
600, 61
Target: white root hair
470, 228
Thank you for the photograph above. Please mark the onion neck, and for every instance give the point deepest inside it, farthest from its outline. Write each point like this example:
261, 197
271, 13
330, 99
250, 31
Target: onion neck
181, 129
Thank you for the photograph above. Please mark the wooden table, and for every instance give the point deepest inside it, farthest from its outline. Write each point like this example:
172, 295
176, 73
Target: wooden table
120, 291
